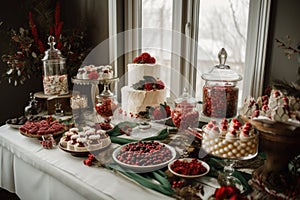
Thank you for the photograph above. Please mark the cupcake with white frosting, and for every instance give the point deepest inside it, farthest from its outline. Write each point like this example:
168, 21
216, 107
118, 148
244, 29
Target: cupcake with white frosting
72, 142
80, 145
214, 132
231, 135
94, 142
65, 139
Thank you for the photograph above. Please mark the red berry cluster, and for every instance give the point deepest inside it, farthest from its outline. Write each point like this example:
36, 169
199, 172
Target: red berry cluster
89, 161
144, 153
220, 101
228, 192
144, 58
188, 168
105, 126
184, 116
177, 184
106, 107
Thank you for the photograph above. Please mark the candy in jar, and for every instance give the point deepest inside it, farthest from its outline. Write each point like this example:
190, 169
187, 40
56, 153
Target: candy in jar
185, 114
55, 78
220, 92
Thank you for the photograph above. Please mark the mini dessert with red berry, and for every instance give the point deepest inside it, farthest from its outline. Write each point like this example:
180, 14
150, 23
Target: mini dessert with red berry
145, 88
235, 142
92, 72
277, 107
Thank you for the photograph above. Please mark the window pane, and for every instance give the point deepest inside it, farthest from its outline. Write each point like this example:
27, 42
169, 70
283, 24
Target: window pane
222, 24
156, 33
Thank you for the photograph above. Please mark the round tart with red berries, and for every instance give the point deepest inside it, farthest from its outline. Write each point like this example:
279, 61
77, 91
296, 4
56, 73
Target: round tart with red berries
144, 156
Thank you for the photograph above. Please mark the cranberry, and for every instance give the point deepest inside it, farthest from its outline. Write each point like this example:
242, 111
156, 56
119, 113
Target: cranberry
193, 167
106, 107
144, 153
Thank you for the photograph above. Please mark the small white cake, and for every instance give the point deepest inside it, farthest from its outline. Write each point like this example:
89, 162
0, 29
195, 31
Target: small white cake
80, 145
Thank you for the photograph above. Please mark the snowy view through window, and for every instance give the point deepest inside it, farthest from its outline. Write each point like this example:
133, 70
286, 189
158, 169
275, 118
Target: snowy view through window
222, 23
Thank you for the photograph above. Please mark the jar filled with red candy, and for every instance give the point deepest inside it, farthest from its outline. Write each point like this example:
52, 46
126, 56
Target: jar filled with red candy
185, 115
106, 106
55, 78
220, 92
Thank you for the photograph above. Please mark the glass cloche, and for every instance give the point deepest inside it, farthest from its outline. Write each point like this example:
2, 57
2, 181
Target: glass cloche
220, 92
55, 78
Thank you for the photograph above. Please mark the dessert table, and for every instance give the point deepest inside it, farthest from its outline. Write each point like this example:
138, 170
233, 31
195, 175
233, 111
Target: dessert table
33, 172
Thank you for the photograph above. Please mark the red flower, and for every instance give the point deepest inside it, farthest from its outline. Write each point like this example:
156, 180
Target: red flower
144, 58
151, 60
148, 86
160, 85
228, 192
168, 110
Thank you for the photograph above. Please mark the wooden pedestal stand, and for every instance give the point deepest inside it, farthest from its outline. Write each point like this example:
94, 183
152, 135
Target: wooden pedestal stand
281, 143
48, 102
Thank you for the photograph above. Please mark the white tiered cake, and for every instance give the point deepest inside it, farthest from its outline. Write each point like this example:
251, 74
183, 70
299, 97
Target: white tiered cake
144, 88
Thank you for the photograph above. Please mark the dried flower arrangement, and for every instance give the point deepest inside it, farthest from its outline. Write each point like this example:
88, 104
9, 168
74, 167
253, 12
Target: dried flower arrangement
289, 88
27, 47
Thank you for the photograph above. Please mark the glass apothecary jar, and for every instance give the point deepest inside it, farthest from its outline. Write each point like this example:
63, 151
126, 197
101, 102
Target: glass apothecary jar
185, 114
105, 107
220, 92
55, 78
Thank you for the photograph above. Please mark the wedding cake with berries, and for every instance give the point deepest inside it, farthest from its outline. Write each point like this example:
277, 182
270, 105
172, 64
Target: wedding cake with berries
144, 88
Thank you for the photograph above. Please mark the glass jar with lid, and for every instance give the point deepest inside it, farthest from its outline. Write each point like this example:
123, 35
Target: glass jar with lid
185, 114
220, 92
55, 78
106, 106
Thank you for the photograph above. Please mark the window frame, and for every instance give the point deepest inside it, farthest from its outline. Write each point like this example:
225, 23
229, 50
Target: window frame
184, 52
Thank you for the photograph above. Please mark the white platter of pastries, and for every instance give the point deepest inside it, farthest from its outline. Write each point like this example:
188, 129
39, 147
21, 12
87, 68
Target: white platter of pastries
81, 143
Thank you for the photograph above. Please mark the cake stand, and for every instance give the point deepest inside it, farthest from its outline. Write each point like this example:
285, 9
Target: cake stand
281, 143
230, 150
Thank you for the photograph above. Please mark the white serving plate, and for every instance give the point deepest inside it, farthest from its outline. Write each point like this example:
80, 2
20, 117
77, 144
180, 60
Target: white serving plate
143, 169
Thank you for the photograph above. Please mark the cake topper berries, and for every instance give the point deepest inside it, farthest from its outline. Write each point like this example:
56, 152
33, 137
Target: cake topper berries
144, 58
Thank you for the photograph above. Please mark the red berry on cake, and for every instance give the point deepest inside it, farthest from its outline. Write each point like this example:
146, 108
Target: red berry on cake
148, 86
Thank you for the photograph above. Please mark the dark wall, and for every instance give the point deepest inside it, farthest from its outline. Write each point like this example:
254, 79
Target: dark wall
14, 14
284, 21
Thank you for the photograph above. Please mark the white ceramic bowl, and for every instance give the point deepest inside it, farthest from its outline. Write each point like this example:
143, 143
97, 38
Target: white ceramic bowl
204, 164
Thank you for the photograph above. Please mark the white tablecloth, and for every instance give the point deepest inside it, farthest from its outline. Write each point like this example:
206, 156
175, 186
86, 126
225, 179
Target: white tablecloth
33, 172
